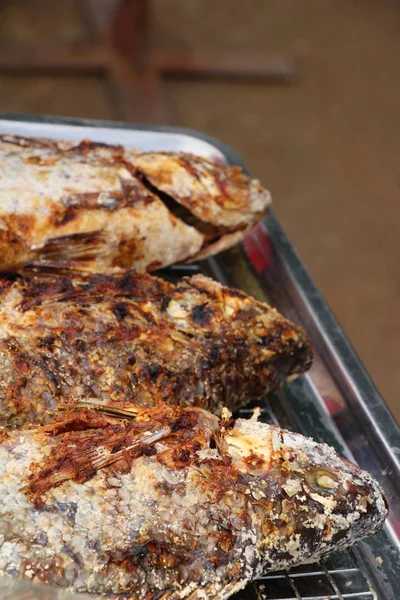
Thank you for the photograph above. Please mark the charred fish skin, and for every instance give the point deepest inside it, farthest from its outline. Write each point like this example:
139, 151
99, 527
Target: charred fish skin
173, 503
138, 339
92, 207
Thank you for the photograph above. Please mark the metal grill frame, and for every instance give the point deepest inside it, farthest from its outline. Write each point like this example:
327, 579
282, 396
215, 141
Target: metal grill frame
359, 425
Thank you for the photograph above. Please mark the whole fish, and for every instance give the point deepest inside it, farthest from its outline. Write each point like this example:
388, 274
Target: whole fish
101, 208
173, 503
138, 338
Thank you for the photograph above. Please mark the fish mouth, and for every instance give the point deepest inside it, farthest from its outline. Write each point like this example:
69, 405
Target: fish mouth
379, 504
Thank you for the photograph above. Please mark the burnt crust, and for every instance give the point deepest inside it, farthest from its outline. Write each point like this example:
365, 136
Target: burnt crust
138, 339
98, 207
172, 503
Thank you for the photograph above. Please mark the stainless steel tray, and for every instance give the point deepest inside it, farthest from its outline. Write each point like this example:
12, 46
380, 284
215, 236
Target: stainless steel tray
336, 402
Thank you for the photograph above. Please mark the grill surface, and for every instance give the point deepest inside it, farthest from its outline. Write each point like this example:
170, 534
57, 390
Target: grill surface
335, 403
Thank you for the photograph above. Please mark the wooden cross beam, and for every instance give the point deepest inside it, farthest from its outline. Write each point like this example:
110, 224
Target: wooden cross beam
122, 52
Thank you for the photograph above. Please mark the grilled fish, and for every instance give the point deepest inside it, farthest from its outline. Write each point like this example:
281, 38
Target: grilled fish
173, 503
102, 208
139, 338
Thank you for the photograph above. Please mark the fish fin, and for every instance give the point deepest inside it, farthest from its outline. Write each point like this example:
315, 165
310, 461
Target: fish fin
220, 244
81, 464
53, 269
73, 247
125, 409
67, 255
74, 421
107, 408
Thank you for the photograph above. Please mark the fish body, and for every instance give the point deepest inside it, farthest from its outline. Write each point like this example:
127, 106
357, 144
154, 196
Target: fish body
98, 207
173, 503
139, 339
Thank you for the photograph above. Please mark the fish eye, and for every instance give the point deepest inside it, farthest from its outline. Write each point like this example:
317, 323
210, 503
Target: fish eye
322, 480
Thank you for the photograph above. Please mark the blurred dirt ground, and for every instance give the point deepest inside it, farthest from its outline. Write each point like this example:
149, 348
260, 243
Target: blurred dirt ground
327, 146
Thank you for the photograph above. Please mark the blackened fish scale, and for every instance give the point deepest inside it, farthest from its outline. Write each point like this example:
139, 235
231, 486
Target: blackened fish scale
173, 502
137, 339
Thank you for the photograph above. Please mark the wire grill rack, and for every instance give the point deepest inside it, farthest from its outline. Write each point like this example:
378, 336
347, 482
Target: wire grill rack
337, 578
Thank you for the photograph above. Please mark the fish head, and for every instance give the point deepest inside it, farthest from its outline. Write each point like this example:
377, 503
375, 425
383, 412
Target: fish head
216, 194
310, 500
275, 347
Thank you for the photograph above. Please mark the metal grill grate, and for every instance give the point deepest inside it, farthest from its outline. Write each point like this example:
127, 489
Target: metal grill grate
337, 578
317, 584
